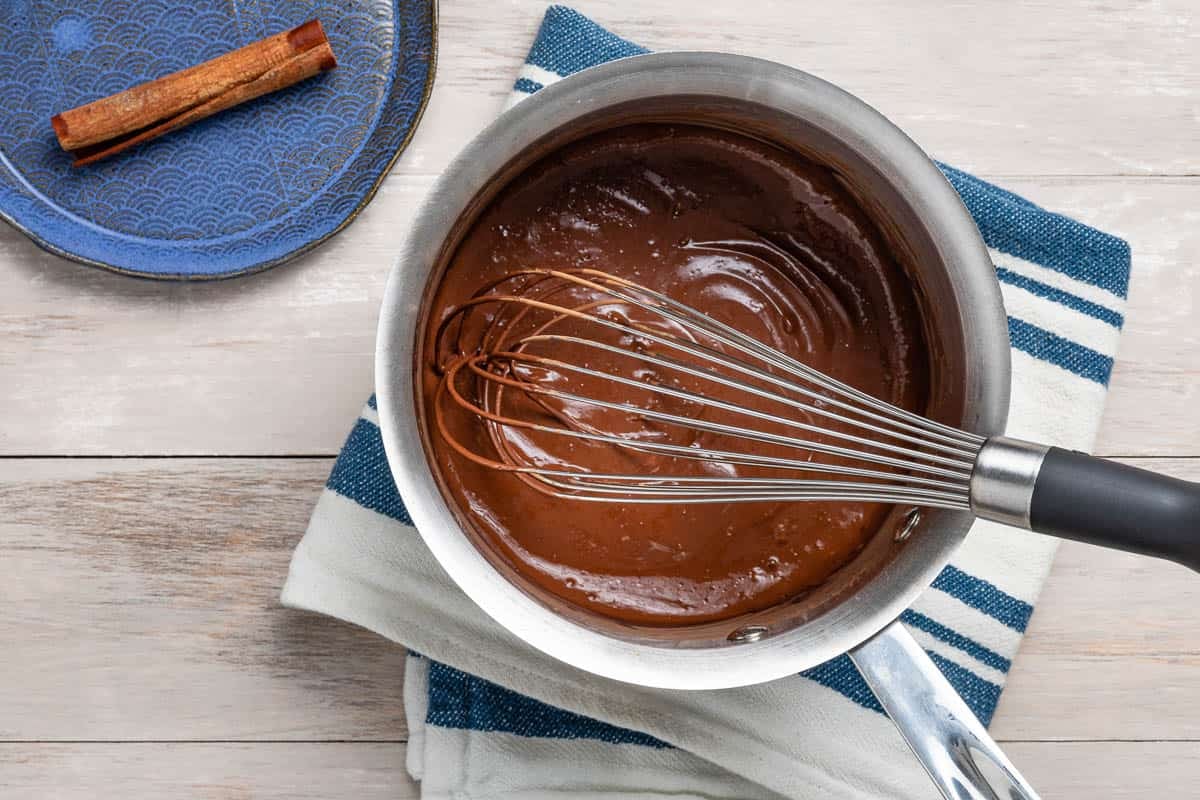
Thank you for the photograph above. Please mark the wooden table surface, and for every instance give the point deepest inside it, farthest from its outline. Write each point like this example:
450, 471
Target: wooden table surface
161, 445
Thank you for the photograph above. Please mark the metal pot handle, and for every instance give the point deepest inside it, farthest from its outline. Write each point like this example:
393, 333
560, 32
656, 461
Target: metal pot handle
948, 740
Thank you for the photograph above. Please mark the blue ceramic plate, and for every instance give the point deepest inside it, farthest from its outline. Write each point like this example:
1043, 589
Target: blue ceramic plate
241, 191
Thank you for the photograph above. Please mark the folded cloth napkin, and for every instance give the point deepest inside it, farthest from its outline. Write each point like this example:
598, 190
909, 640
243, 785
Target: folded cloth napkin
489, 717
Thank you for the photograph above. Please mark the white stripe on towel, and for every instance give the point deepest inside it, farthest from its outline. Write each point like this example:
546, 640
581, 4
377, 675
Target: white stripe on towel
416, 706
370, 415
1058, 280
956, 656
1050, 404
1068, 323
948, 610
538, 75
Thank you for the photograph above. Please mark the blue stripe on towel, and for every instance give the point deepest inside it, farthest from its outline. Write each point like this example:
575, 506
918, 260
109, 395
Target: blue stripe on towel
465, 702
956, 639
527, 86
361, 473
985, 597
569, 42
1016, 226
462, 701
840, 675
1042, 344
1094, 310
373, 403
981, 696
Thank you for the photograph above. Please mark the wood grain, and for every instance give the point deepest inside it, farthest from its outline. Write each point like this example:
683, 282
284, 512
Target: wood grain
137, 771
1036, 87
1112, 651
1110, 770
141, 603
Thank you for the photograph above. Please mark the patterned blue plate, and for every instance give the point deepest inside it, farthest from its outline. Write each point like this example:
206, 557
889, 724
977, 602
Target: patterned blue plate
239, 192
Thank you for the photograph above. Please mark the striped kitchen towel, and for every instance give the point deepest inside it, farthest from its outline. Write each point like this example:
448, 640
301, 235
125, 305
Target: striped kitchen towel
490, 718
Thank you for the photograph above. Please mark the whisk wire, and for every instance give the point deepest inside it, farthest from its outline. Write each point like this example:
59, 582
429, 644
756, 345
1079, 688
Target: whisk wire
964, 451
963, 468
681, 451
910, 459
694, 320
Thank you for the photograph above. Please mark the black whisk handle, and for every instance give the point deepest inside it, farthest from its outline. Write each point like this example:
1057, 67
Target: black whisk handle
1089, 499
1076, 496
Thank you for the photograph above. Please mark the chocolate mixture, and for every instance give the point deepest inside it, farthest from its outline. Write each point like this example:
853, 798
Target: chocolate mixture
751, 235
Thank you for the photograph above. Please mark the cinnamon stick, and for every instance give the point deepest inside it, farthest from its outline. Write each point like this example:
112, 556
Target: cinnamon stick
112, 124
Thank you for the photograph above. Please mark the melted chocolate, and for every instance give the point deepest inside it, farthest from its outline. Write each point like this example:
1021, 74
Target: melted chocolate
753, 236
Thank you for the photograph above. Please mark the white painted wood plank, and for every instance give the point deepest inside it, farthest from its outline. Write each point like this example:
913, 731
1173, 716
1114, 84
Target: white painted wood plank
277, 771
1107, 604
1072, 696
280, 363
141, 602
1113, 651
1110, 770
1034, 87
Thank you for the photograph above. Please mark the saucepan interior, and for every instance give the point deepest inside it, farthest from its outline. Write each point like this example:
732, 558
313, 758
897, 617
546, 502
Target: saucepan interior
927, 228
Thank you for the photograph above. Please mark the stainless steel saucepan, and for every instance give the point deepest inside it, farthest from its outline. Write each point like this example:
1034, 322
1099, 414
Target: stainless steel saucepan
925, 224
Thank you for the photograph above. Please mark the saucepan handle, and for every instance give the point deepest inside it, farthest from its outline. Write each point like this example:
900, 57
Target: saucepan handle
948, 740
1076, 496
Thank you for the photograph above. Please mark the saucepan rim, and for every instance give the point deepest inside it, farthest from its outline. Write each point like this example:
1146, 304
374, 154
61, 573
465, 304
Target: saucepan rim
986, 382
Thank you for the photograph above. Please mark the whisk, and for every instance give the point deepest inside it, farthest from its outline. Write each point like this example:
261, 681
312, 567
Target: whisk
593, 388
